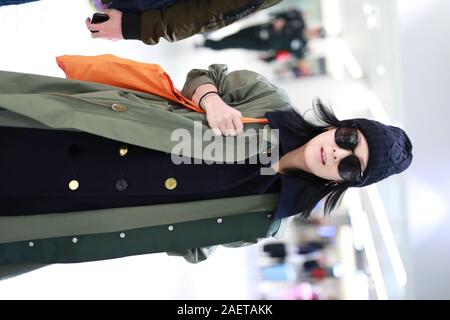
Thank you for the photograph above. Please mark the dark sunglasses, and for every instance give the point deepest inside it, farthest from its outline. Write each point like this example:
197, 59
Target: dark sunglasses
349, 167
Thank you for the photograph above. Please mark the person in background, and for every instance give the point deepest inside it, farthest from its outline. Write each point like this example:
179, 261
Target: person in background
285, 33
172, 20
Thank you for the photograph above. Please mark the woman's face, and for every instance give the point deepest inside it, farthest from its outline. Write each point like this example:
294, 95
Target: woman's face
322, 155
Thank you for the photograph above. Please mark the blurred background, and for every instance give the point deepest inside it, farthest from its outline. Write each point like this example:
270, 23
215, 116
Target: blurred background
383, 59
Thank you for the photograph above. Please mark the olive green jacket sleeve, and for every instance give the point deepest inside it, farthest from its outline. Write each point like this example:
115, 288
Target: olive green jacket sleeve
187, 18
239, 87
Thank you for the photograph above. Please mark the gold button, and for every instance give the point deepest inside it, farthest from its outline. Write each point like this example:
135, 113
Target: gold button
119, 107
73, 185
123, 150
170, 183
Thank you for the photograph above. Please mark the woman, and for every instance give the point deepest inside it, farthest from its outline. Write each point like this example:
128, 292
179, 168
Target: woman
151, 20
90, 169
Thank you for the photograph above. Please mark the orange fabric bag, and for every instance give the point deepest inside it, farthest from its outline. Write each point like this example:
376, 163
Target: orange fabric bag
128, 74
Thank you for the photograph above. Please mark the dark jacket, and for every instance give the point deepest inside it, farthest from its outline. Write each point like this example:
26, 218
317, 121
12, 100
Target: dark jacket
138, 5
187, 18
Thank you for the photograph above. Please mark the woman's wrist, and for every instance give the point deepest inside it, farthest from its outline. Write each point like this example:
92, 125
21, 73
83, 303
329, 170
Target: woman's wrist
201, 90
207, 96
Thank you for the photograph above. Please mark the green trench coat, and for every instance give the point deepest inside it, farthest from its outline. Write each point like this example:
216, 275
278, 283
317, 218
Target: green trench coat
189, 229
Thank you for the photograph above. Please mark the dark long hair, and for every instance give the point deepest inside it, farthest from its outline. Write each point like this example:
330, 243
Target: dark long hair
317, 188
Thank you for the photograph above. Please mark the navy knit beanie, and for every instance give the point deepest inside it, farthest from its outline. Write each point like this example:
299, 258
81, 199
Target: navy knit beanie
390, 150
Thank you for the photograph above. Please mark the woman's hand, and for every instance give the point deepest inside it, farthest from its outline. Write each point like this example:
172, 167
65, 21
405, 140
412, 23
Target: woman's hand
110, 29
222, 118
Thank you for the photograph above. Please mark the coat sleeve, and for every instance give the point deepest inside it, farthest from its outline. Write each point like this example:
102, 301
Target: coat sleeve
201, 254
247, 91
10, 271
215, 75
276, 230
186, 18
195, 255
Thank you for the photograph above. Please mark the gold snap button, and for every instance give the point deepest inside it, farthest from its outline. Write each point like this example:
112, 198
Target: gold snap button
123, 150
73, 185
119, 107
170, 183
